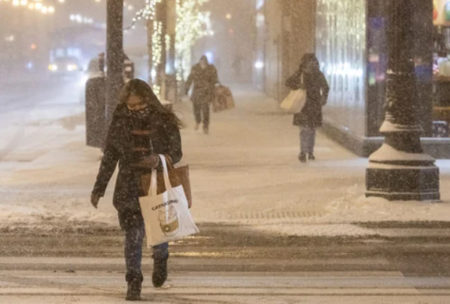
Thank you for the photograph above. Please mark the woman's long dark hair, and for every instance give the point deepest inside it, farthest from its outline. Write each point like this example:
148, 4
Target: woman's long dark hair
143, 90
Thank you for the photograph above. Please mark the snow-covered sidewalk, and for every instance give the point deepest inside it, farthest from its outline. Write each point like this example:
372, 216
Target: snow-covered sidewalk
246, 171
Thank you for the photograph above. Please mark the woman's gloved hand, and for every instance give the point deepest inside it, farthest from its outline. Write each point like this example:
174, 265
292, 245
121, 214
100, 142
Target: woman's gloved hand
95, 199
151, 161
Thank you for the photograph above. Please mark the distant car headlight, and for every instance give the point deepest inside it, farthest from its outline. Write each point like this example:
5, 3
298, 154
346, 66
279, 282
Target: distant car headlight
72, 67
53, 67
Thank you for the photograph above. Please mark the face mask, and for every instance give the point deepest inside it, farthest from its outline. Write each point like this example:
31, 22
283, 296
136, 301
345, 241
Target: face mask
140, 114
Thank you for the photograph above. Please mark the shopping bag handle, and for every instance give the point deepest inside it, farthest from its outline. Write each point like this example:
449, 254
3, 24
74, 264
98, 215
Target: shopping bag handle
153, 184
170, 165
154, 180
167, 183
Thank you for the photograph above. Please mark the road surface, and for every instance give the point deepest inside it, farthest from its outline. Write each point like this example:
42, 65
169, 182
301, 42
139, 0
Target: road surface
233, 264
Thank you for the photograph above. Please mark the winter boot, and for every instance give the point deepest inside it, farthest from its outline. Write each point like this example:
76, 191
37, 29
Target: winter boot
134, 288
159, 271
302, 157
311, 156
197, 126
206, 130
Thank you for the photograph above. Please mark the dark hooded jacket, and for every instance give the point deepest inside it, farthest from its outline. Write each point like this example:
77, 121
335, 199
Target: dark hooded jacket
317, 90
204, 81
132, 136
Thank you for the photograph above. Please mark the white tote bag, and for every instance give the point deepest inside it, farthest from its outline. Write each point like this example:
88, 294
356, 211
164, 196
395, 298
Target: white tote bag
295, 101
166, 216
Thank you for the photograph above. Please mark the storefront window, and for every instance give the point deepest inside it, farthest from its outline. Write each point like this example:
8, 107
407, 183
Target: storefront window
377, 45
341, 49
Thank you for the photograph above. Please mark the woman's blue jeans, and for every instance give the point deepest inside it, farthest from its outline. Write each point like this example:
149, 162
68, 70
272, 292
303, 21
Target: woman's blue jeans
307, 140
134, 239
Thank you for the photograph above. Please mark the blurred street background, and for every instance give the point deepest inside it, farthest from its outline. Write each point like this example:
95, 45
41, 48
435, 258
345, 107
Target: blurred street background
272, 230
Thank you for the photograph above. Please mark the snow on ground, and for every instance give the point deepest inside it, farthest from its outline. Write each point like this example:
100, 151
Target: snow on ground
246, 171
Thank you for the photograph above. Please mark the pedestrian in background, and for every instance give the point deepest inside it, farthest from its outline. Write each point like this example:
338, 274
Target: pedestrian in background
310, 78
140, 130
204, 78
95, 103
128, 69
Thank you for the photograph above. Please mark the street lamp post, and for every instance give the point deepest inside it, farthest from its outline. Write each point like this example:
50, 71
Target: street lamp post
400, 170
114, 56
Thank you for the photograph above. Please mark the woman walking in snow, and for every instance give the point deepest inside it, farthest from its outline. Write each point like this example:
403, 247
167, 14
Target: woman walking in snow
140, 130
309, 119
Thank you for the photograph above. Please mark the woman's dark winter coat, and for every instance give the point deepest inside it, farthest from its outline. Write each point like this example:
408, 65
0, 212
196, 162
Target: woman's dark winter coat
317, 90
121, 148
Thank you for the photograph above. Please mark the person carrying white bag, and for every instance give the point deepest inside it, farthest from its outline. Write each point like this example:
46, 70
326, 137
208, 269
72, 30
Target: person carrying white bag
313, 83
167, 217
141, 129
296, 100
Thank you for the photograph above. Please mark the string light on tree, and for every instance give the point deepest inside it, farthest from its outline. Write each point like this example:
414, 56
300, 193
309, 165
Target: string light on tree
192, 24
148, 12
156, 50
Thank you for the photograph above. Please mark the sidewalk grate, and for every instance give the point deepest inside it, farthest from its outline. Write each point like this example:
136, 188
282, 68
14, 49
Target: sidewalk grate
270, 215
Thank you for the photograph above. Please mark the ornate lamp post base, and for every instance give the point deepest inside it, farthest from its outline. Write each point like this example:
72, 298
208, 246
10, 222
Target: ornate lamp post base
400, 170
400, 183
